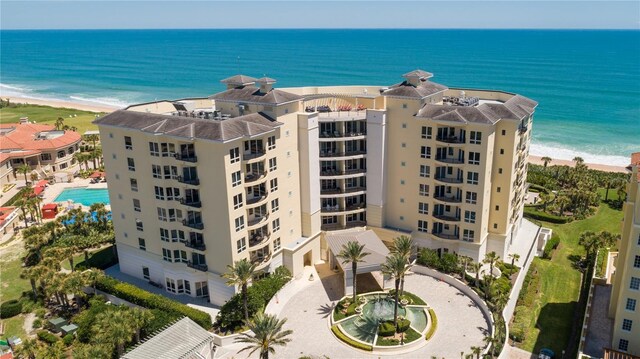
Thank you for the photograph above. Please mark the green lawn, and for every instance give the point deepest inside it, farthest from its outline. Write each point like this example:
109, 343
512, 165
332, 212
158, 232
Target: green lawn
98, 258
49, 115
13, 326
548, 323
12, 285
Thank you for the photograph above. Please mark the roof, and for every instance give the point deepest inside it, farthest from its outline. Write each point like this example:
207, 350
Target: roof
181, 340
516, 108
266, 80
372, 244
405, 89
253, 94
24, 136
50, 206
418, 73
239, 80
188, 127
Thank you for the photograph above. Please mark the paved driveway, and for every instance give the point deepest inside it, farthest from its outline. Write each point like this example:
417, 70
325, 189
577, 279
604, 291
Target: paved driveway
461, 324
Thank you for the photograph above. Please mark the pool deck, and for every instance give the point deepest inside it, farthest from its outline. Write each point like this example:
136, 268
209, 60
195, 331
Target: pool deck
53, 190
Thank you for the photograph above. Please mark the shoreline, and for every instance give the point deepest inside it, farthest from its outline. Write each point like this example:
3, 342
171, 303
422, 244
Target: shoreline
59, 103
105, 108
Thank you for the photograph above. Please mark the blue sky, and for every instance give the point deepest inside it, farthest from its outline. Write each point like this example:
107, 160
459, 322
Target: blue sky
26, 14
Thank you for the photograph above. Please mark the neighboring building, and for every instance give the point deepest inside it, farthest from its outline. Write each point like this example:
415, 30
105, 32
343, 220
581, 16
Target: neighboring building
624, 306
42, 147
182, 340
261, 173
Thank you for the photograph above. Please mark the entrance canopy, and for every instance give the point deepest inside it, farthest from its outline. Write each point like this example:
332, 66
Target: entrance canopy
372, 244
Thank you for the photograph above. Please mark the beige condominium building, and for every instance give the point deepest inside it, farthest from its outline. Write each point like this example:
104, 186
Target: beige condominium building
261, 173
624, 306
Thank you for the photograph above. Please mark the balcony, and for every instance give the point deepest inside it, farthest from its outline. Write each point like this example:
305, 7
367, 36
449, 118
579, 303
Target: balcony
523, 129
259, 238
450, 139
189, 181
341, 154
331, 209
257, 220
260, 260
452, 199
445, 235
448, 179
338, 134
253, 154
192, 224
254, 176
447, 218
256, 199
200, 267
338, 190
187, 157
452, 160
338, 226
190, 203
333, 172
199, 245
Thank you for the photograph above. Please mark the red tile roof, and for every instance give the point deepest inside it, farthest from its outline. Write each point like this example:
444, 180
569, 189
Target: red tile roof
24, 137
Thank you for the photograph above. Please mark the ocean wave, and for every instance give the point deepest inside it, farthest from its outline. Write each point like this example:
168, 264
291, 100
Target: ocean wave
16, 88
541, 150
109, 101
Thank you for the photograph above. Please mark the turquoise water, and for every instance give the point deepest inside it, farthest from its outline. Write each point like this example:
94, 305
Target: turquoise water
587, 82
84, 196
418, 318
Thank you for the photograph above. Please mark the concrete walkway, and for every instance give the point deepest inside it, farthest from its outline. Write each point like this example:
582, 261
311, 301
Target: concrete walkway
599, 326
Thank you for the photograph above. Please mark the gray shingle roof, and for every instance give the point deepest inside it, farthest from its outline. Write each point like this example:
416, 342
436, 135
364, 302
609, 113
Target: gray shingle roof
516, 108
239, 80
182, 340
418, 73
267, 80
372, 244
252, 94
188, 127
405, 89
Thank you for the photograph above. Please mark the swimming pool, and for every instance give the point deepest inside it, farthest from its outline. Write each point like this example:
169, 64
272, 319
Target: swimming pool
85, 196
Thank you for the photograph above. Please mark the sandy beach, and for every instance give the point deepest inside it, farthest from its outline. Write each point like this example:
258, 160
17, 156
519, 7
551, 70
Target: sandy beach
57, 103
595, 166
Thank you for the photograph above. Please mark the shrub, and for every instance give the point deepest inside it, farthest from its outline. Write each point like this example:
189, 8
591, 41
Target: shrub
149, 300
403, 325
386, 329
47, 337
351, 309
37, 323
434, 324
10, 309
40, 312
537, 188
338, 333
550, 246
428, 258
68, 339
542, 216
385, 342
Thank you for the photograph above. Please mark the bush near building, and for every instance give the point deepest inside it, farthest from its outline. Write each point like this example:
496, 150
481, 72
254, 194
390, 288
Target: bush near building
10, 308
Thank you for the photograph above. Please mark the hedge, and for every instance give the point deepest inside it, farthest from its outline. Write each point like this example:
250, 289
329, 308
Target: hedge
434, 324
149, 300
386, 329
410, 297
47, 337
550, 246
68, 339
537, 188
403, 325
10, 309
542, 216
338, 333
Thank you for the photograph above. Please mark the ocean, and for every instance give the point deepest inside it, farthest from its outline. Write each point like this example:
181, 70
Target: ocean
587, 82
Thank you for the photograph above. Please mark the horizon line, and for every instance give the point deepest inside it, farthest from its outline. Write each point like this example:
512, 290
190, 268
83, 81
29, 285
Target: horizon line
328, 28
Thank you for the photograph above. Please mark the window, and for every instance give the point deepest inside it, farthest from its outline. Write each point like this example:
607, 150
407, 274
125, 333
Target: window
635, 283
44, 157
239, 223
275, 225
202, 289
474, 158
497, 208
275, 205
504, 132
241, 244
174, 214
424, 190
402, 218
139, 225
498, 189
273, 184
404, 145
168, 149
502, 151
423, 208
154, 150
187, 287
131, 164
402, 182
162, 214
276, 244
171, 284
178, 236
495, 226
236, 179
159, 192
170, 172
471, 197
166, 255
136, 205
180, 256
61, 154
234, 154
237, 201
470, 216
134, 184
499, 170
636, 262
271, 142
404, 105
142, 244
623, 345
472, 177
403, 164
425, 171
475, 138
631, 304
156, 170
145, 273
423, 226
273, 164
173, 193
401, 200
626, 324
425, 152
128, 145
426, 132
468, 235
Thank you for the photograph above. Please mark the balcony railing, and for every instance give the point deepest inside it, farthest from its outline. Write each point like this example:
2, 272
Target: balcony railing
190, 181
338, 226
339, 190
457, 199
257, 219
449, 180
259, 238
199, 245
187, 157
200, 267
260, 259
448, 218
342, 154
254, 176
253, 154
256, 199
337, 134
190, 203
450, 160
330, 172
191, 224
445, 235
450, 139
522, 129
329, 209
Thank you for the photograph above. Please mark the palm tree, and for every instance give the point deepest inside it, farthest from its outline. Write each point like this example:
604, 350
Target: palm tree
62, 253
24, 169
353, 253
491, 258
93, 139
476, 266
140, 318
578, 160
239, 275
514, 258
477, 351
621, 191
544, 198
562, 201
546, 160
396, 267
30, 273
28, 349
114, 327
267, 333
464, 261
79, 156
59, 123
404, 247
91, 351
92, 276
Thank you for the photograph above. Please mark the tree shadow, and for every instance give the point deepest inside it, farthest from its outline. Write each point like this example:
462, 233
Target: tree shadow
325, 310
556, 322
333, 286
577, 262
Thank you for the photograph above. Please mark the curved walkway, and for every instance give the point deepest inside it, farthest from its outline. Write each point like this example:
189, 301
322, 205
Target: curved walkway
461, 324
